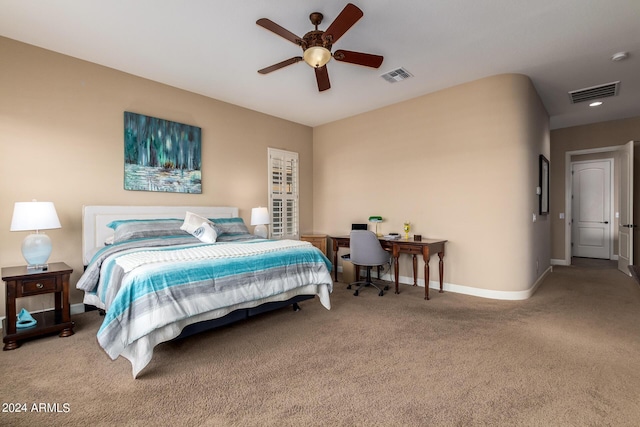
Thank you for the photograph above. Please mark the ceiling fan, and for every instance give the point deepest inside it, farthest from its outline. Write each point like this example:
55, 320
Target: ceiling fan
316, 45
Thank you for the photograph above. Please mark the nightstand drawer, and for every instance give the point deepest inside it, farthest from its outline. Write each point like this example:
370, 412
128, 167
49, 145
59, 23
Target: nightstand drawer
39, 286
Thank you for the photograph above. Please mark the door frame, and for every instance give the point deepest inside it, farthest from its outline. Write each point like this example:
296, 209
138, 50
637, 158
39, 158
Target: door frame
626, 201
612, 171
568, 190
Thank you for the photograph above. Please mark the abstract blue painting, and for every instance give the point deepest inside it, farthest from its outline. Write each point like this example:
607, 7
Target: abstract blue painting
161, 155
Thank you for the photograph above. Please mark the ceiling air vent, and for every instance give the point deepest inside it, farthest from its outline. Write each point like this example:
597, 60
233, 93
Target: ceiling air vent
396, 75
594, 92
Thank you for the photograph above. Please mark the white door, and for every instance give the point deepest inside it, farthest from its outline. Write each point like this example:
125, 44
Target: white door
625, 222
591, 209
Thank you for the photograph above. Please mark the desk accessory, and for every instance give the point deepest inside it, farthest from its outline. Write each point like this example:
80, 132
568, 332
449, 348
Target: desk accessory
406, 227
376, 219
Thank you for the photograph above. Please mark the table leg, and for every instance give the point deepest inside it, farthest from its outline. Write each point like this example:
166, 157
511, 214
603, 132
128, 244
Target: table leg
58, 303
441, 268
425, 256
11, 308
396, 256
415, 270
63, 304
10, 319
335, 260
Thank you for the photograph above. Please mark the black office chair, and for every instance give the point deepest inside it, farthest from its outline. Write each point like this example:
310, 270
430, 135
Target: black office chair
366, 251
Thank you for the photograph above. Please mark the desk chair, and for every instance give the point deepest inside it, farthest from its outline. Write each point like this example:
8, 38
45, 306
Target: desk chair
366, 251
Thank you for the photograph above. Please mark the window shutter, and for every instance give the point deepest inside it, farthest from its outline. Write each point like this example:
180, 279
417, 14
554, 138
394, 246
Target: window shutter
283, 194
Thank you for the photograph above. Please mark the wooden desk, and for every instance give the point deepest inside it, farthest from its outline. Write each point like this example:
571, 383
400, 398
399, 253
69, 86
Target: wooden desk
426, 247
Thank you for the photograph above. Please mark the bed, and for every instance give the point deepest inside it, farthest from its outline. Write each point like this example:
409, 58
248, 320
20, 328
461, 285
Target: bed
161, 273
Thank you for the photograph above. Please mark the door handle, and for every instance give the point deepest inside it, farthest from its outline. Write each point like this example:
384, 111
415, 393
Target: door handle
605, 222
629, 225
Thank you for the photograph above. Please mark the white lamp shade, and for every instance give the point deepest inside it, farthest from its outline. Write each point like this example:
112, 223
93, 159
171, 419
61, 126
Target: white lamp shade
260, 216
28, 216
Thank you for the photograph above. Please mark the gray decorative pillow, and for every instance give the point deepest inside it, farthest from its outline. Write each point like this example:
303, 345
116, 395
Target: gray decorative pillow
230, 226
144, 228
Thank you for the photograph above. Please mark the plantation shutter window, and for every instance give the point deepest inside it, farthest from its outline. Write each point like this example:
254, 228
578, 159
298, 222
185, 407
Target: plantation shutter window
283, 194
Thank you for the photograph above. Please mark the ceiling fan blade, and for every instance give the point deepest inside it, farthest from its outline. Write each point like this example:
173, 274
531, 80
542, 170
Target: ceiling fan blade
345, 20
275, 28
280, 65
359, 58
322, 77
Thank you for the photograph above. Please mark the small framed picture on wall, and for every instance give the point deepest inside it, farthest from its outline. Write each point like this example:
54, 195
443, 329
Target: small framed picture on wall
544, 185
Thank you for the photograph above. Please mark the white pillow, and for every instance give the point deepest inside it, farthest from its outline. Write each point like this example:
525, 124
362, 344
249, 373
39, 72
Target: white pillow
192, 222
206, 233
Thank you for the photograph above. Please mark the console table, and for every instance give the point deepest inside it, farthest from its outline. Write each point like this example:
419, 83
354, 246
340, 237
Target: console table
426, 247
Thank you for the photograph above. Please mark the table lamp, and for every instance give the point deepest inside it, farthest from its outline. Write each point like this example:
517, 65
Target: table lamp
35, 216
259, 218
376, 219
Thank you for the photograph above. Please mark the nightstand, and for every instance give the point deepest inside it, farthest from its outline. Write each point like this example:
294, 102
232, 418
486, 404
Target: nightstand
317, 240
21, 282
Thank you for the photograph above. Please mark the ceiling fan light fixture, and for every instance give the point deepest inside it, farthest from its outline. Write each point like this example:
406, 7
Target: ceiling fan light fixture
316, 56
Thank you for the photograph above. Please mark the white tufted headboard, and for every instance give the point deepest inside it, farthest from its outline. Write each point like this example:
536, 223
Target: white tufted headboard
95, 220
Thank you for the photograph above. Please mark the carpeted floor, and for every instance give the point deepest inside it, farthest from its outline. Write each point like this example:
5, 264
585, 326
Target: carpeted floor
568, 356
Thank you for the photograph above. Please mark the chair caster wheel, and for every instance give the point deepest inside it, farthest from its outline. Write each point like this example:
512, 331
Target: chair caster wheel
355, 294
386, 288
349, 287
380, 293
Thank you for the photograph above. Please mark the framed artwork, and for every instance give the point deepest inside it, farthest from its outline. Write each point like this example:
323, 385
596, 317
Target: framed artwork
161, 155
544, 185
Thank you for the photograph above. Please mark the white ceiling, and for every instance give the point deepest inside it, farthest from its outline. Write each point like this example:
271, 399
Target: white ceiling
214, 48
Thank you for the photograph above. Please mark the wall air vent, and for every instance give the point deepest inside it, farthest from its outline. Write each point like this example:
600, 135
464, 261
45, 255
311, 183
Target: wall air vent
594, 92
396, 75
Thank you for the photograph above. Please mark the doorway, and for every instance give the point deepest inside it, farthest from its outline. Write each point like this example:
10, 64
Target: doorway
592, 201
621, 208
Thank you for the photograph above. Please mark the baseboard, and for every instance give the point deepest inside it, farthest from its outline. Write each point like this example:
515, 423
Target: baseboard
477, 292
73, 309
566, 263
77, 308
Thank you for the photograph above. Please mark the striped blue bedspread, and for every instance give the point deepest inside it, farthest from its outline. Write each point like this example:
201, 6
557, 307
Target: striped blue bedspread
146, 285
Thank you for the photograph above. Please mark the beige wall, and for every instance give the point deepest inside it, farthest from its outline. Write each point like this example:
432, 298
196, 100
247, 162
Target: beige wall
460, 164
61, 140
587, 137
